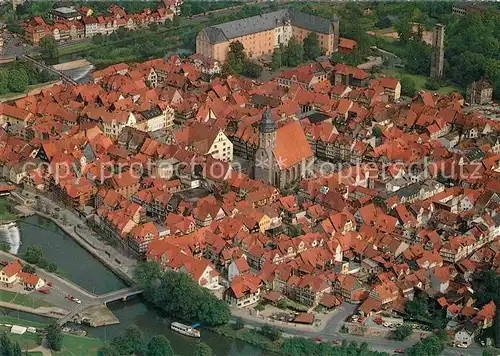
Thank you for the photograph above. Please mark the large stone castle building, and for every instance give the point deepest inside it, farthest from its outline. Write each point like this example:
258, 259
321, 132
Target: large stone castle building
261, 34
284, 155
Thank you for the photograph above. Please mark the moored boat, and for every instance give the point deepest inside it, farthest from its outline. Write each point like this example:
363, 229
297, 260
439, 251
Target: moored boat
184, 329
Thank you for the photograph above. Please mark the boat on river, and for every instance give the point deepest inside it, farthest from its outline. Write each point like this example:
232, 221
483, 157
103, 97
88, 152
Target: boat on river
184, 329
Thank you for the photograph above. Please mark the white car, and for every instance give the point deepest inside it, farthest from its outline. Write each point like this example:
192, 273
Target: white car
387, 324
78, 301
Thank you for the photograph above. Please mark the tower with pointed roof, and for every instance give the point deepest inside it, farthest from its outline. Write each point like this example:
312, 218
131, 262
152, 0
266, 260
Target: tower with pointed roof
264, 158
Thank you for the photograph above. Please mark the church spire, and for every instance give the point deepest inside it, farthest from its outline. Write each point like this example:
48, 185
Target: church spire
267, 124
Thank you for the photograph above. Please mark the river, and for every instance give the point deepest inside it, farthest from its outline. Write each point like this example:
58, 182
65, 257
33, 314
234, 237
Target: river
77, 265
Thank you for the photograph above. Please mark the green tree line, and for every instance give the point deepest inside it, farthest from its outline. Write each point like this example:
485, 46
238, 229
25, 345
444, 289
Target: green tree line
178, 295
16, 76
132, 342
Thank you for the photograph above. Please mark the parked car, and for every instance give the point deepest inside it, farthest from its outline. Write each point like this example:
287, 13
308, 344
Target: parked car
318, 339
4, 263
49, 284
336, 342
44, 291
78, 301
399, 351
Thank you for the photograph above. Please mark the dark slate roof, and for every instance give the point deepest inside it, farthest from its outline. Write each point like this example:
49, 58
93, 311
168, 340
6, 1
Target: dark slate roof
265, 22
214, 34
311, 22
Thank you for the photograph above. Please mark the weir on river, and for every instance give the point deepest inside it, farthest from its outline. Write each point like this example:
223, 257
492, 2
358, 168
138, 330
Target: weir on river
79, 266
10, 235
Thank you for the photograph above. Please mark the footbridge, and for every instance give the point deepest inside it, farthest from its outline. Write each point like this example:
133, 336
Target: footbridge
64, 78
122, 294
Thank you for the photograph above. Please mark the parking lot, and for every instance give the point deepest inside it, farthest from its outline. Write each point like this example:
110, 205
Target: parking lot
386, 322
288, 317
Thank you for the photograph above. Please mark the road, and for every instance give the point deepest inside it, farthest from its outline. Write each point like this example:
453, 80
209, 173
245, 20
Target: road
14, 46
59, 290
331, 331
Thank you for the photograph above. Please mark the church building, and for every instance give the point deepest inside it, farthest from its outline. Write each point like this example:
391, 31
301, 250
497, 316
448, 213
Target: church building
284, 154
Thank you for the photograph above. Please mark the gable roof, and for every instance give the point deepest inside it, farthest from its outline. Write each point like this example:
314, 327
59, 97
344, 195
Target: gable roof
291, 145
264, 22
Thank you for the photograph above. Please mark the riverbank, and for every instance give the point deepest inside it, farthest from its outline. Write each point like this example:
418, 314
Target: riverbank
250, 336
89, 273
72, 344
121, 265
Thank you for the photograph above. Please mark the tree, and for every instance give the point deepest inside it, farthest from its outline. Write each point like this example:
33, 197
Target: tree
48, 46
5, 247
277, 61
236, 56
98, 39
29, 269
430, 346
146, 272
108, 350
294, 230
202, 349
271, 332
153, 27
282, 304
178, 295
408, 86
312, 49
159, 346
252, 69
33, 254
431, 84
16, 350
402, 332
17, 80
5, 345
293, 54
418, 306
376, 131
51, 267
239, 324
54, 337
132, 341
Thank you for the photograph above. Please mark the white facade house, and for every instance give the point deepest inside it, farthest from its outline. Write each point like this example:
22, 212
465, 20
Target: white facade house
221, 148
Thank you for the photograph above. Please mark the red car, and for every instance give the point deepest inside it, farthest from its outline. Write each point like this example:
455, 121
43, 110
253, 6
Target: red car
336, 342
44, 291
49, 284
4, 263
399, 351
318, 339
70, 297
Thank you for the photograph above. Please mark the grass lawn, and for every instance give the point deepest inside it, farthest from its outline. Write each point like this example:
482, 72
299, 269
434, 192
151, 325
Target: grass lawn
22, 299
419, 80
78, 345
27, 341
22, 322
77, 47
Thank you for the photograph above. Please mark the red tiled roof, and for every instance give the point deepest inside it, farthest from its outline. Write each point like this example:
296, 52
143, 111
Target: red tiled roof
292, 146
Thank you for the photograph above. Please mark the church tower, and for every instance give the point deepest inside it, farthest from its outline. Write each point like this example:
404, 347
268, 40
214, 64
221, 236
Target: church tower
264, 156
336, 32
437, 58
